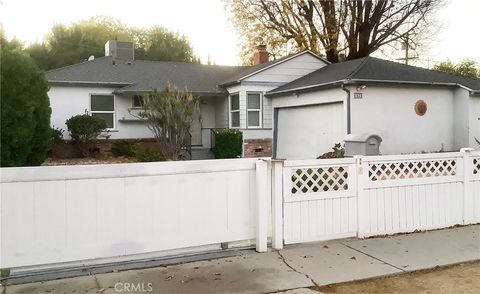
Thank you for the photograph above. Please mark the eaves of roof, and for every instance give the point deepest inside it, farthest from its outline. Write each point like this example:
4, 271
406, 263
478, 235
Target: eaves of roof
88, 83
310, 88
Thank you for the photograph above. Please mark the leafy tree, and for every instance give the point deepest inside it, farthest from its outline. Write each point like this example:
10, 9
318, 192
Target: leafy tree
158, 43
41, 55
467, 68
169, 115
25, 109
67, 45
348, 28
84, 130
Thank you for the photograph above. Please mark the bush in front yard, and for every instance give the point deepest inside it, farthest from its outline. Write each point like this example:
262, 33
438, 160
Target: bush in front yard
169, 114
228, 144
338, 152
123, 148
148, 155
84, 130
25, 109
57, 136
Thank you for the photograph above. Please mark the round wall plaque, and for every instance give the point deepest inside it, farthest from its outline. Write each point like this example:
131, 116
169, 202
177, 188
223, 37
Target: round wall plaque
420, 107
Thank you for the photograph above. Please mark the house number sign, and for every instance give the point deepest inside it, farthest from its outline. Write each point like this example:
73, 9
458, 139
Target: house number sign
357, 95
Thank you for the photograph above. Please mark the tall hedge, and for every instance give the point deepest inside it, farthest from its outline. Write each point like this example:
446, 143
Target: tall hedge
25, 109
228, 143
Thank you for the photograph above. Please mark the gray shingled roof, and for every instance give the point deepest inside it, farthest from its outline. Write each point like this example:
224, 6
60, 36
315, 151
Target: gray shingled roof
142, 75
374, 70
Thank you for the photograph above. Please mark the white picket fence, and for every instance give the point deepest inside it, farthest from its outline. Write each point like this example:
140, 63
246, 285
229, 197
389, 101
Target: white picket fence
400, 194
472, 189
374, 195
63, 214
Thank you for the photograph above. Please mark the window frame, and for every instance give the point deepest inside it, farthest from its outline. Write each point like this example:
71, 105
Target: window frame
133, 102
259, 110
105, 111
230, 111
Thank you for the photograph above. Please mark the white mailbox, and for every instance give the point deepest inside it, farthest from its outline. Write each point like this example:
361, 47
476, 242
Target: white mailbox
362, 144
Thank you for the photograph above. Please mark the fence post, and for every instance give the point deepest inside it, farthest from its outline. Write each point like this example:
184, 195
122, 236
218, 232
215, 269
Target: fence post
362, 203
277, 204
467, 199
261, 191
1, 236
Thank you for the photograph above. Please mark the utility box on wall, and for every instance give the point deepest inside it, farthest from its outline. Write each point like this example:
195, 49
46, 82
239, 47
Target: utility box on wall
362, 144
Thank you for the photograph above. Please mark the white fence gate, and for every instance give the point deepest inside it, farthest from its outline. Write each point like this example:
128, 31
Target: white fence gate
374, 195
319, 200
60, 214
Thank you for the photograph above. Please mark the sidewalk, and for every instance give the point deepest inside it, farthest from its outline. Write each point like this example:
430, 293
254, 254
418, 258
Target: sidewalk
291, 270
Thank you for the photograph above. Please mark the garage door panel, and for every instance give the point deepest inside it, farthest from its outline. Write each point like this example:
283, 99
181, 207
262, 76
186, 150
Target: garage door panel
474, 120
309, 131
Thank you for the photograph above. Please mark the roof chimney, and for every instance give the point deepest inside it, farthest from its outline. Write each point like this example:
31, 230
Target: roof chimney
120, 50
260, 55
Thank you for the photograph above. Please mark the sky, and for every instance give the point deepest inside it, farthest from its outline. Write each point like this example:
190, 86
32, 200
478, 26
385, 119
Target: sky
206, 24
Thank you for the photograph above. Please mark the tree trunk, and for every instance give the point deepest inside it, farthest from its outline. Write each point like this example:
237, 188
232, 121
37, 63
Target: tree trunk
332, 55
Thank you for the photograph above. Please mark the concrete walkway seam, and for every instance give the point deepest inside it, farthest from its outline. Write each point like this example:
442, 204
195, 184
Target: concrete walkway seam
295, 270
293, 289
99, 287
374, 257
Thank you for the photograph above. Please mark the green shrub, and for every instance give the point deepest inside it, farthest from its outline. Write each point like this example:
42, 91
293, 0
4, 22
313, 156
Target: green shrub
57, 136
84, 130
25, 109
228, 143
123, 148
338, 152
148, 155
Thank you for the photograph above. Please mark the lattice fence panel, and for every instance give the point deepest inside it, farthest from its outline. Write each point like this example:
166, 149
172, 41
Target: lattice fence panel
476, 166
319, 179
412, 169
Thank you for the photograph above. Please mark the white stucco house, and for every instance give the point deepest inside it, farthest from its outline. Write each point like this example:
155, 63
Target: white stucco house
298, 106
412, 109
231, 96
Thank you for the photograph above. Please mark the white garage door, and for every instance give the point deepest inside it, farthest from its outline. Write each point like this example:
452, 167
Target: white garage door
309, 131
474, 121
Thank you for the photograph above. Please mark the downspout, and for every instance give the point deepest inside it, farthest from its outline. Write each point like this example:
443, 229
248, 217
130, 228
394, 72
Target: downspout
349, 124
275, 133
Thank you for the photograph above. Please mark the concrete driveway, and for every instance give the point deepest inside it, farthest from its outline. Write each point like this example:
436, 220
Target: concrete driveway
294, 269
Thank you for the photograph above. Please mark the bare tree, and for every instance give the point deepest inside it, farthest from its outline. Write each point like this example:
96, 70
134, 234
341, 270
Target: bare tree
169, 115
349, 28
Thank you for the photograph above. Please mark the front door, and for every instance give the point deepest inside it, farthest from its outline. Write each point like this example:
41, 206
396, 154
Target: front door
196, 129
